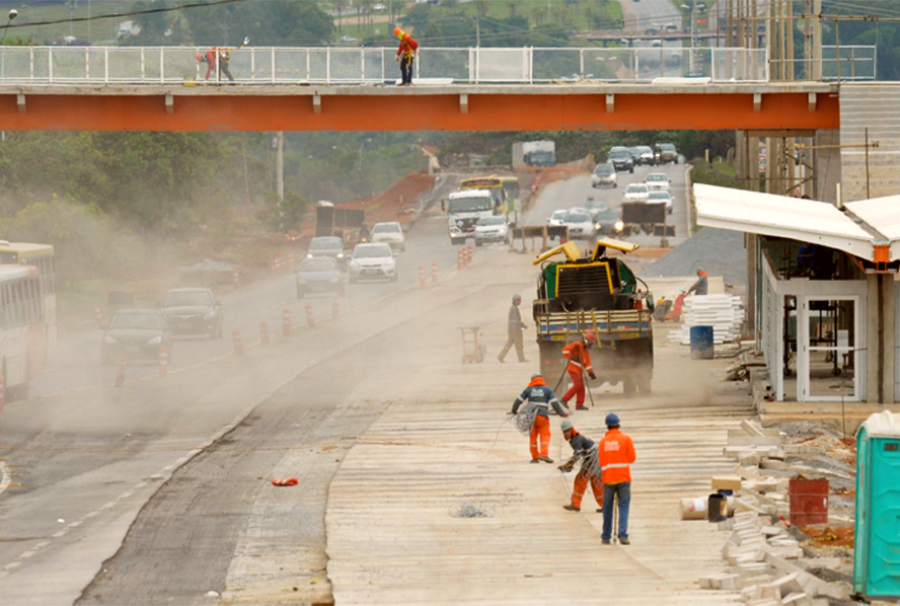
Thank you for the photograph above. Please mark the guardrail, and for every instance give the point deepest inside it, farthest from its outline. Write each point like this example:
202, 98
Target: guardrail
332, 65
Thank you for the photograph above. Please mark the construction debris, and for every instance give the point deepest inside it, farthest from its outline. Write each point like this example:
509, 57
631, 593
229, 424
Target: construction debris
764, 554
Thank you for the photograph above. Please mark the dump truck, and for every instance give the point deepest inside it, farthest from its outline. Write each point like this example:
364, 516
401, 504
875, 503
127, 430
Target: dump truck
533, 153
341, 222
599, 293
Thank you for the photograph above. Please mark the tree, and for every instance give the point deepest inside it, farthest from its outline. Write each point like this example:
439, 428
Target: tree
271, 23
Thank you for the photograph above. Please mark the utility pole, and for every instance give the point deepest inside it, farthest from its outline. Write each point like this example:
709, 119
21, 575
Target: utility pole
279, 165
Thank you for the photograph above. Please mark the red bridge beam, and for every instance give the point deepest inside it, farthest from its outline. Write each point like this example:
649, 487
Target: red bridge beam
458, 108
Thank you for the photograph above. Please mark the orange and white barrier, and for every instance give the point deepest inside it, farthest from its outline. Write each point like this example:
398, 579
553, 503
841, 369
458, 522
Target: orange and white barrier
310, 319
460, 259
434, 273
285, 481
236, 279
469, 255
422, 276
163, 362
286, 322
238, 342
264, 332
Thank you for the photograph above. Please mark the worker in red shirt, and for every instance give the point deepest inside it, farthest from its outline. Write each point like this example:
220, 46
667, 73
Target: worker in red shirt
217, 59
616, 454
406, 53
577, 353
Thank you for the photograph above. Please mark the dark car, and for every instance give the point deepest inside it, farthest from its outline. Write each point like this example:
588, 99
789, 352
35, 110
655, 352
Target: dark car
319, 274
666, 152
193, 311
621, 159
136, 334
328, 246
608, 222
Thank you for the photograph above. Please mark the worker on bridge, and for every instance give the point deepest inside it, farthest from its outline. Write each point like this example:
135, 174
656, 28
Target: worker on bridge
406, 54
579, 357
217, 58
616, 454
583, 450
514, 328
539, 397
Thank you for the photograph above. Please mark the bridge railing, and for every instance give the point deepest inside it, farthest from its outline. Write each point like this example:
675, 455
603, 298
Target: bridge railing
331, 65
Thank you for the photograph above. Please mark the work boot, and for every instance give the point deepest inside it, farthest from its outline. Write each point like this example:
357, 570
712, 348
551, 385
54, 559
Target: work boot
606, 541
537, 460
571, 508
581, 408
545, 459
499, 359
624, 542
523, 361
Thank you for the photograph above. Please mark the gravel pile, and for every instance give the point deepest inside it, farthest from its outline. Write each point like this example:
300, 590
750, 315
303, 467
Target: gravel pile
720, 252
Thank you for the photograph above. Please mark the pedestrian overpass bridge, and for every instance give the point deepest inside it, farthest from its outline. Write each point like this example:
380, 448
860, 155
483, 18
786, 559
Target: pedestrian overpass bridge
352, 89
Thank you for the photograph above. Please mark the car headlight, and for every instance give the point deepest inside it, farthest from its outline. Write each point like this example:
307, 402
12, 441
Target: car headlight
619, 225
598, 226
109, 340
340, 255
309, 255
155, 341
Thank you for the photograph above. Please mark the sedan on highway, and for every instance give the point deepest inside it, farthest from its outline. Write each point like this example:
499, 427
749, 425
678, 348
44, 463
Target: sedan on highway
664, 197
491, 229
580, 225
621, 159
319, 275
636, 192
193, 311
604, 176
658, 182
645, 155
391, 233
557, 217
327, 246
608, 222
374, 261
136, 334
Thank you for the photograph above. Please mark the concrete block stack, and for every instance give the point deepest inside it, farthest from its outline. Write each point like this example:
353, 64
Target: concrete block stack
765, 561
724, 313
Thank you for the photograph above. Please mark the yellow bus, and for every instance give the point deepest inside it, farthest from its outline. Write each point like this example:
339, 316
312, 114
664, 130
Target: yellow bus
492, 184
39, 256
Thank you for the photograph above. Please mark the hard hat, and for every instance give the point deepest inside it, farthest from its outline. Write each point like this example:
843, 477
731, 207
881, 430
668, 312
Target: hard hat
398, 32
566, 425
517, 297
535, 376
612, 419
589, 336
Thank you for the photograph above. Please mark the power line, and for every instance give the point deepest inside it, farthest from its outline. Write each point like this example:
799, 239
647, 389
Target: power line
126, 14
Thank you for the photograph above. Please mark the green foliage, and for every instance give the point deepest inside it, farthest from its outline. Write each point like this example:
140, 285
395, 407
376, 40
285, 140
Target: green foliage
87, 243
720, 174
270, 23
283, 215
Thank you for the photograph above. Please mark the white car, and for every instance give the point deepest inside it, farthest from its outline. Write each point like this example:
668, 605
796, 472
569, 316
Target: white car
658, 182
580, 225
557, 217
604, 176
390, 233
491, 229
657, 197
373, 261
636, 192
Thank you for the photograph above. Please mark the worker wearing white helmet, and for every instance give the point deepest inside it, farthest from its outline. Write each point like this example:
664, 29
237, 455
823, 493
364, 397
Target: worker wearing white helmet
582, 448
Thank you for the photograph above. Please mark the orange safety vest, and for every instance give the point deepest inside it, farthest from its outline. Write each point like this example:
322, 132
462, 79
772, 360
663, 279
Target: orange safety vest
616, 454
578, 356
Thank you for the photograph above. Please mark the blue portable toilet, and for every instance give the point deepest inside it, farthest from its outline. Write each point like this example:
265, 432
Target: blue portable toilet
876, 555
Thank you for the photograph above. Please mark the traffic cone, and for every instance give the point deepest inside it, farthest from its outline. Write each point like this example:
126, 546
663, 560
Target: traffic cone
286, 322
434, 273
238, 342
285, 481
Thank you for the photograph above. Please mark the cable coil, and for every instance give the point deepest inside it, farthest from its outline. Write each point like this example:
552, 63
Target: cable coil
525, 418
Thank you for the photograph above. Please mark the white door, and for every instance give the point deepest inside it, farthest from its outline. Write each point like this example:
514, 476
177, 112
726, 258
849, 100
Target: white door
829, 356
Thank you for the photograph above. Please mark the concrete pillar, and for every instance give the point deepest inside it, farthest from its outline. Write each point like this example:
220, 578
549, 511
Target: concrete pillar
880, 338
827, 165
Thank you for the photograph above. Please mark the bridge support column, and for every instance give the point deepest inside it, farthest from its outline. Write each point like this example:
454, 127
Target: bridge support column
827, 165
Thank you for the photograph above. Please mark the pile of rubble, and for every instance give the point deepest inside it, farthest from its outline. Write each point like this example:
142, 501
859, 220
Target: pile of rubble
767, 563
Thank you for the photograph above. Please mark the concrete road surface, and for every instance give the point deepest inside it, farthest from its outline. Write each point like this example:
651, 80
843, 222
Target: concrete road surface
160, 492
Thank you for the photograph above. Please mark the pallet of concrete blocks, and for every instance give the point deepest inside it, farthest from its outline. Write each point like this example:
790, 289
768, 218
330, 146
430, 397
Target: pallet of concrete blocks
725, 313
752, 444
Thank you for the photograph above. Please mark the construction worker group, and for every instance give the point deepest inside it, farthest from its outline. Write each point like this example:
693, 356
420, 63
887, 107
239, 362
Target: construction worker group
604, 466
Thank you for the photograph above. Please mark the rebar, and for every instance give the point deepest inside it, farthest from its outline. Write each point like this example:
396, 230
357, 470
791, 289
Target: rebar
525, 418
590, 463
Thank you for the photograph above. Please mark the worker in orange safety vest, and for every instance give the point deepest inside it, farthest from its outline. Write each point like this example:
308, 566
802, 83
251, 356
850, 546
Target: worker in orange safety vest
616, 454
579, 357
406, 54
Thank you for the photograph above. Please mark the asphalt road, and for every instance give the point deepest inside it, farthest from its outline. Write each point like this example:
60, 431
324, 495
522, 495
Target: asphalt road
577, 190
81, 459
